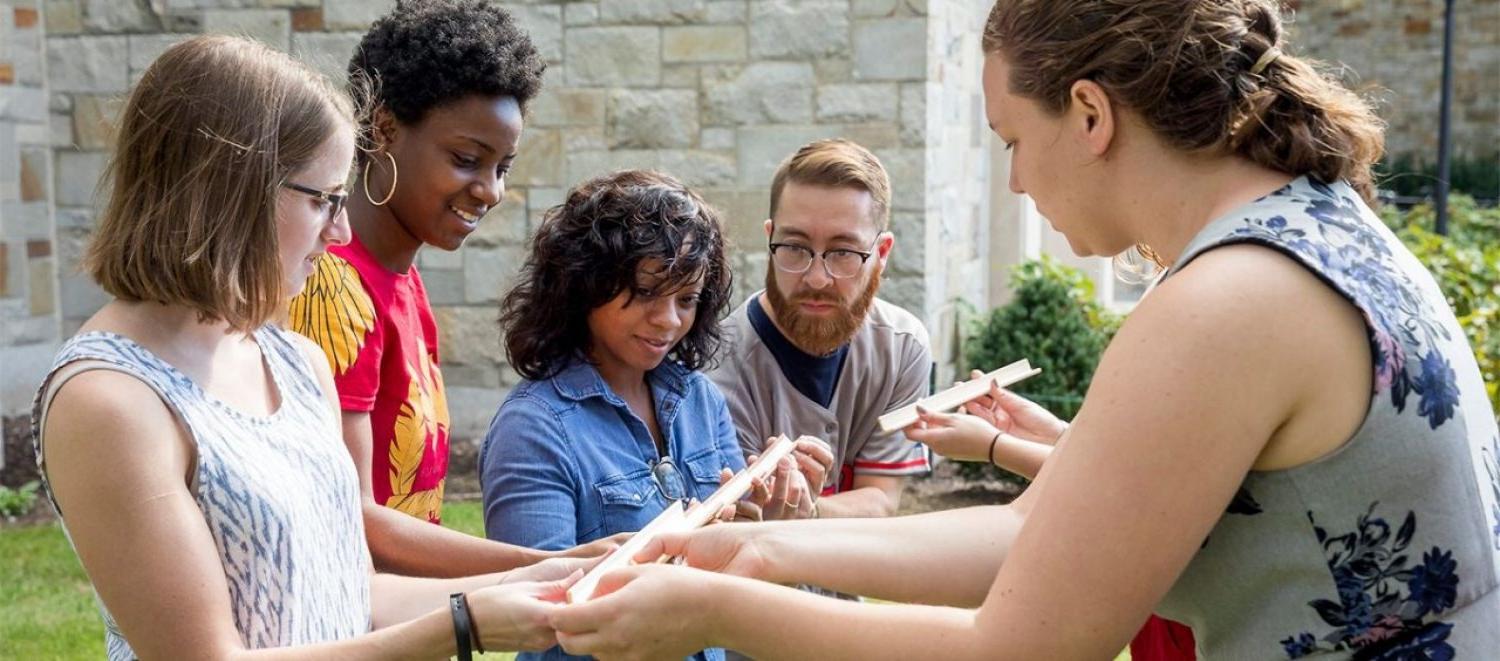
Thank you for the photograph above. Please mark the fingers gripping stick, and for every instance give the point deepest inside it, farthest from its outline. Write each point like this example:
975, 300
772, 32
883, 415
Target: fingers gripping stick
677, 519
958, 395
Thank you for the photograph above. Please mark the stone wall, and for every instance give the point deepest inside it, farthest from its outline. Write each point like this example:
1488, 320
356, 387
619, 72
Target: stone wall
29, 330
714, 91
1395, 49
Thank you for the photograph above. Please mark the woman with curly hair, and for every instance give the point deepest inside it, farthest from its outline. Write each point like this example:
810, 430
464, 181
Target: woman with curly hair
617, 309
450, 81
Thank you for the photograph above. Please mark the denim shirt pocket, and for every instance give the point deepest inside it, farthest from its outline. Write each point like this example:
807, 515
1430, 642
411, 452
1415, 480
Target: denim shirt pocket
703, 471
629, 502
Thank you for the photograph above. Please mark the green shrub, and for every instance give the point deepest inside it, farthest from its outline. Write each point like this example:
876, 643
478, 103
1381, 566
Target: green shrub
16, 502
1466, 265
1055, 323
1406, 175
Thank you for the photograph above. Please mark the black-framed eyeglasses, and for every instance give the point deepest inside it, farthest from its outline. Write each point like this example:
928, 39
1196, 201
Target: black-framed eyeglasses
668, 479
837, 262
335, 200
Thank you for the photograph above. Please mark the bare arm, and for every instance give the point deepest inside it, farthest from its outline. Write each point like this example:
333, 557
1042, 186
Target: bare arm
869, 496
118, 465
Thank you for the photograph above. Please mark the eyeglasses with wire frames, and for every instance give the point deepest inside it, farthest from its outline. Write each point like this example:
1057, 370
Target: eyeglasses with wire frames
335, 200
837, 262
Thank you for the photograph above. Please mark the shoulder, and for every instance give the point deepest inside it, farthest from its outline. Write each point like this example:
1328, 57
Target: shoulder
110, 416
534, 400
890, 322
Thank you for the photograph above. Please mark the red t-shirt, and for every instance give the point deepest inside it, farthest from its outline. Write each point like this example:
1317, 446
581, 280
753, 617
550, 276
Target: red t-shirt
377, 330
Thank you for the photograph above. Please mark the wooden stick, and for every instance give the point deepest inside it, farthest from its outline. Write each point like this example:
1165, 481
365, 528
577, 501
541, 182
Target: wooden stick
677, 519
670, 520
958, 395
740, 484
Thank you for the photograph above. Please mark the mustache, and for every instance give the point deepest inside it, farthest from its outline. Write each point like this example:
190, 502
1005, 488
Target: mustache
816, 297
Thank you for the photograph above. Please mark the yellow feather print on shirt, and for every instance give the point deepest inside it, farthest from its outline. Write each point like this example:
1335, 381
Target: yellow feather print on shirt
335, 311
424, 412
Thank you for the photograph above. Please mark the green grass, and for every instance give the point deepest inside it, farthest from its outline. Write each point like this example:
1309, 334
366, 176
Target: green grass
47, 609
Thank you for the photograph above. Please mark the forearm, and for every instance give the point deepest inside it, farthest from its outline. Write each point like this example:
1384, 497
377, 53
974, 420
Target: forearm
396, 599
801, 622
427, 637
1020, 456
857, 503
405, 545
894, 558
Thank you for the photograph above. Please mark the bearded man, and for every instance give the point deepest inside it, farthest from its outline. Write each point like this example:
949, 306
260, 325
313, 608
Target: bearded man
816, 352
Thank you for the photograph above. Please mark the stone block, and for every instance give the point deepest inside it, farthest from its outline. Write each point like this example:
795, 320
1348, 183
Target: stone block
858, 102
503, 225
470, 411
41, 281
432, 260
874, 8
727, 11
580, 14
716, 138
744, 214
614, 56
909, 257
307, 19
145, 48
62, 17
539, 200
25, 367
907, 169
354, 14
95, 119
488, 273
873, 135
700, 169
25, 221
73, 218
328, 52
833, 70
544, 23
890, 49
799, 28
587, 165
76, 178
683, 76
539, 159
762, 148
914, 114
272, 27
80, 296
469, 335
33, 175
703, 44
470, 376
444, 287
584, 138
5, 277
762, 92
653, 119
25, 104
562, 106
115, 16
88, 64
659, 12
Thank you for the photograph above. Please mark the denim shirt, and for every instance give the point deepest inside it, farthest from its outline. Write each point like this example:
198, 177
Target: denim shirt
567, 462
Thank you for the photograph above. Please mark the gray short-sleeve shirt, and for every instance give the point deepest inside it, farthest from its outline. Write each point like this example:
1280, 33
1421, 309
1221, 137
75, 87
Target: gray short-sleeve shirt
888, 366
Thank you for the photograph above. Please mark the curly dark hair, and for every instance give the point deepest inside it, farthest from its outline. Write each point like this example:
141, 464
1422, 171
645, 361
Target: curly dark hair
587, 251
426, 53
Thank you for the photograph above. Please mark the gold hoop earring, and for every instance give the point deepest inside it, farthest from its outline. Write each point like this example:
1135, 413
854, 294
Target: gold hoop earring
395, 176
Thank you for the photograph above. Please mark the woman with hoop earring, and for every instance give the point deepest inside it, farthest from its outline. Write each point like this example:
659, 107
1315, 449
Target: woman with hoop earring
441, 136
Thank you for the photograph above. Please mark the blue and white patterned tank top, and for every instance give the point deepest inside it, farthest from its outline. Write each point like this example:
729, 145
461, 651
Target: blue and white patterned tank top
1389, 548
279, 493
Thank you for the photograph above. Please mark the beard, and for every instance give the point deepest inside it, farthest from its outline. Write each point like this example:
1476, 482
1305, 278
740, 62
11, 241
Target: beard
819, 336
